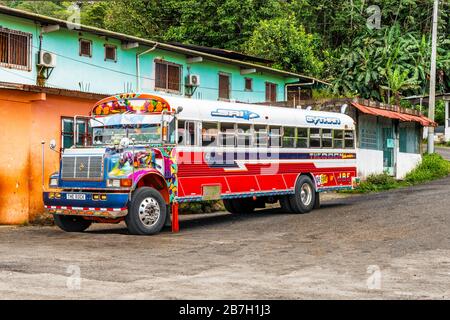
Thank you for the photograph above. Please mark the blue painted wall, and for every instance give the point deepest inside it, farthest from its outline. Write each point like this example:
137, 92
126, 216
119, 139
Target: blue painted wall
94, 74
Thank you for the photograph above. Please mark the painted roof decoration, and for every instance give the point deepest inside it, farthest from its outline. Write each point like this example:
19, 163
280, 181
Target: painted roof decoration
130, 103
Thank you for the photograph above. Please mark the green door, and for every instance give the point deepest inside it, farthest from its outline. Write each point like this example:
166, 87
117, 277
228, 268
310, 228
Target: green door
388, 150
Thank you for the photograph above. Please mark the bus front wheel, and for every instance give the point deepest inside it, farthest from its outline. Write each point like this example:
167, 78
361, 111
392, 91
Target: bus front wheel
147, 212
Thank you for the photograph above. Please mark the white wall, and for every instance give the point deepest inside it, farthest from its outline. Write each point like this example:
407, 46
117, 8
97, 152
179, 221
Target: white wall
406, 162
369, 162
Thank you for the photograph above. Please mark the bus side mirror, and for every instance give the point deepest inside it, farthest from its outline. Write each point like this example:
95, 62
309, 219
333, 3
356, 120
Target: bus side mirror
52, 144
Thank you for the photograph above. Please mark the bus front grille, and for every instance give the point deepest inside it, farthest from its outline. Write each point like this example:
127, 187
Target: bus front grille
82, 168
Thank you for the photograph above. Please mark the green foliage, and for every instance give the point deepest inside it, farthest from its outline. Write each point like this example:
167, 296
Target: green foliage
433, 166
287, 43
56, 9
201, 207
325, 38
377, 182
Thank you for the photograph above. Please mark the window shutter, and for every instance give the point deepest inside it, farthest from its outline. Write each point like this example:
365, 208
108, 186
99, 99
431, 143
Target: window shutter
248, 84
174, 78
110, 52
271, 92
85, 48
160, 75
4, 47
224, 86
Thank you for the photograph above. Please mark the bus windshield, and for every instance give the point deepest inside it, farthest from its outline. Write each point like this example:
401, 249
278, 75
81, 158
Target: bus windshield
142, 134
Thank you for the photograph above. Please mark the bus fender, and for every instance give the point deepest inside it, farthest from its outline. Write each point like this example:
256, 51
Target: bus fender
153, 178
316, 188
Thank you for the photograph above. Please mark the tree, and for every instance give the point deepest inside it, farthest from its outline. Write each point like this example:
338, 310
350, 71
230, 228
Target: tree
397, 81
286, 43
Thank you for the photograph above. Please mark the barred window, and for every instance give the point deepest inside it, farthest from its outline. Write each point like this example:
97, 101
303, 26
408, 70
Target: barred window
167, 76
110, 53
15, 49
85, 48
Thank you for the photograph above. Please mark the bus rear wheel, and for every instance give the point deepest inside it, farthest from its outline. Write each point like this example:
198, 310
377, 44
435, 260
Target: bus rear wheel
304, 198
239, 206
147, 212
71, 223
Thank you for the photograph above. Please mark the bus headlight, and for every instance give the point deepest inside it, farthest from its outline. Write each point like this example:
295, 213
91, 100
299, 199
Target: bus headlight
53, 182
118, 183
113, 183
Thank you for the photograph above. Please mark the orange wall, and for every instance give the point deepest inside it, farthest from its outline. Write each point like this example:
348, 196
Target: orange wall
26, 119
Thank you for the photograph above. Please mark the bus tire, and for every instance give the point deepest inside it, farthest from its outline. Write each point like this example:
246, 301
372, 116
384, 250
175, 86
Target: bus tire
147, 212
71, 223
228, 204
244, 205
304, 198
285, 204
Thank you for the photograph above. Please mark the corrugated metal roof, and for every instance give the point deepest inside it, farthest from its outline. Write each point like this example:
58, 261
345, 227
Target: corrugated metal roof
165, 46
424, 121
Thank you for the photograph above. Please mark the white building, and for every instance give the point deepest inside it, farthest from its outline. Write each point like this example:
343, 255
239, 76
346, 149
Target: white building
389, 138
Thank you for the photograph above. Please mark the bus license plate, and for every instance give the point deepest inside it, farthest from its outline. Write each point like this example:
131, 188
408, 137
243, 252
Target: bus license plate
76, 196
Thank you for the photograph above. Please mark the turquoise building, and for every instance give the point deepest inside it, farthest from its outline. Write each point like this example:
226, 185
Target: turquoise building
38, 50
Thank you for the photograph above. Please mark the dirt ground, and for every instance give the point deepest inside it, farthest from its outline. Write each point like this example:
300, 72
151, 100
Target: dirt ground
387, 245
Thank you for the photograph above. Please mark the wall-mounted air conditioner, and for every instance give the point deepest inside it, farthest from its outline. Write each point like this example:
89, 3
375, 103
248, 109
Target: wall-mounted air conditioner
193, 80
47, 59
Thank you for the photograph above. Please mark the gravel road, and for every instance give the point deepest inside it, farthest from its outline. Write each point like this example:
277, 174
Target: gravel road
386, 245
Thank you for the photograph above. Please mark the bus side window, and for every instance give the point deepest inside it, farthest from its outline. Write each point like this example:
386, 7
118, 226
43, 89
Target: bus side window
302, 138
338, 139
314, 138
209, 134
180, 133
261, 136
275, 137
289, 137
349, 139
244, 135
189, 133
227, 134
327, 138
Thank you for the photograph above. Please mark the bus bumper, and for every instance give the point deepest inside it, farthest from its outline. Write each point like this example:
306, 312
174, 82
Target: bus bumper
105, 205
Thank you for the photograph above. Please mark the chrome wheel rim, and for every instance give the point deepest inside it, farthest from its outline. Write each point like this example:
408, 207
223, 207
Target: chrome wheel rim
306, 194
149, 212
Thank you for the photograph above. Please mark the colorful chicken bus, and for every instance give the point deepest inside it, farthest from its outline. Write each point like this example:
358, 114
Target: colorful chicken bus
150, 153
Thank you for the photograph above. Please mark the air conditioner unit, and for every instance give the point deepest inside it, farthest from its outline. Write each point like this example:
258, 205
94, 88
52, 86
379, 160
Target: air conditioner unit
193, 80
47, 59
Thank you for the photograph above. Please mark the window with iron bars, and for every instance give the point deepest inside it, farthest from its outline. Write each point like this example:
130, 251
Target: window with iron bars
15, 49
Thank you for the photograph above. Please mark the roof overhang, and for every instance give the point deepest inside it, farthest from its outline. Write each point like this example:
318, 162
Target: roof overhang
424, 121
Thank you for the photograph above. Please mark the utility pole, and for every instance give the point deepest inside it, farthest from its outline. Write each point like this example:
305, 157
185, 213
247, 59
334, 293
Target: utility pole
432, 95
